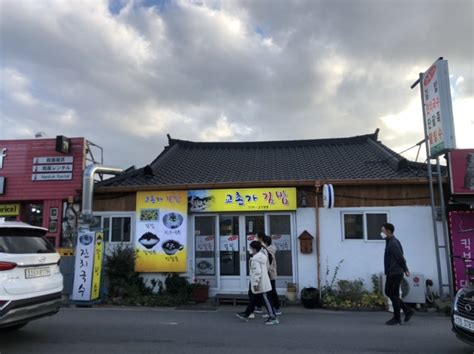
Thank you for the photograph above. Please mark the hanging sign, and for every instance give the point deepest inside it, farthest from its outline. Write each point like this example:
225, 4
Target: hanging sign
161, 232
438, 109
462, 243
255, 199
9, 209
88, 266
328, 196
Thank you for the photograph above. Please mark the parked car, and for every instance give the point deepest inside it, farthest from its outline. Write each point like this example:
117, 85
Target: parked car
462, 316
30, 281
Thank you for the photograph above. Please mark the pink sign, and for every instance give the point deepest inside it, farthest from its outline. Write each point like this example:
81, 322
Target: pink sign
462, 242
461, 170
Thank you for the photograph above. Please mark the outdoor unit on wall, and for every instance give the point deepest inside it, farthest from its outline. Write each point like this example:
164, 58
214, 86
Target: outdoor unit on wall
413, 288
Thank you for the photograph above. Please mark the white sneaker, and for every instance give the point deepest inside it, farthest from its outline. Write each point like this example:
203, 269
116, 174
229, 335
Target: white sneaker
251, 316
258, 310
278, 312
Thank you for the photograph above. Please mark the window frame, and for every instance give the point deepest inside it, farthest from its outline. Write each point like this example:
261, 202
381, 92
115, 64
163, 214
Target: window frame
108, 234
364, 214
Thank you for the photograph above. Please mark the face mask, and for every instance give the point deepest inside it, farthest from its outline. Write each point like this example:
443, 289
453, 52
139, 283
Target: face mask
383, 235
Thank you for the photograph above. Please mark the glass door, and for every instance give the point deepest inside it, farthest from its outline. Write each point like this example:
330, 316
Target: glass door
236, 232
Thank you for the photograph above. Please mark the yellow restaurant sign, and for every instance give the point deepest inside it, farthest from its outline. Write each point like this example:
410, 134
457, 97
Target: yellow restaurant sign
9, 209
254, 199
161, 231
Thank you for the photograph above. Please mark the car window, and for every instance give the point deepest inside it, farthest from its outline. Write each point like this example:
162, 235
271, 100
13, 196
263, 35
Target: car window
21, 241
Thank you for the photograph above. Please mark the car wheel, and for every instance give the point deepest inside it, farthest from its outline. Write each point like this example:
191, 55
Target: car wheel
13, 328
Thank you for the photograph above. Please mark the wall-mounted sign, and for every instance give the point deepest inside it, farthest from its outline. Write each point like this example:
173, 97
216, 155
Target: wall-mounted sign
438, 108
2, 185
51, 176
9, 209
53, 159
328, 196
161, 232
53, 168
3, 154
255, 199
89, 253
461, 171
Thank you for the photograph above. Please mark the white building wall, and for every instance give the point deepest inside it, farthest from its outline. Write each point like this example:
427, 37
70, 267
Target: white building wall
413, 227
306, 263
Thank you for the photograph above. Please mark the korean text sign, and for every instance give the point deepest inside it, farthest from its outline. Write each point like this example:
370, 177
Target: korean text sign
462, 241
256, 199
438, 109
161, 232
88, 266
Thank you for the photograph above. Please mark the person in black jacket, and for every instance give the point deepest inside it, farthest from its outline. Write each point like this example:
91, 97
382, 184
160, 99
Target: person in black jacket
395, 266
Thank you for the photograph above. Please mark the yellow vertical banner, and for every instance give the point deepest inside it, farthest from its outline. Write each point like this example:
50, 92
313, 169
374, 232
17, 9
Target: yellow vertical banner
161, 231
96, 273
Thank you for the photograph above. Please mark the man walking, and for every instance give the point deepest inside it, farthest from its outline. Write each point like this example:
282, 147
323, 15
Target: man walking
395, 266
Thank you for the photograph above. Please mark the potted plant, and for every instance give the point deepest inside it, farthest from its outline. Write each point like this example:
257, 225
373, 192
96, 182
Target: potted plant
310, 298
200, 290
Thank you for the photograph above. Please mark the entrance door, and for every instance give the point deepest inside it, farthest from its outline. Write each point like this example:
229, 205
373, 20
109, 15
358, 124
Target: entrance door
235, 234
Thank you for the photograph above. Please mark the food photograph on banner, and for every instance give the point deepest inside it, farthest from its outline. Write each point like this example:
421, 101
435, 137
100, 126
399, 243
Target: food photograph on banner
161, 232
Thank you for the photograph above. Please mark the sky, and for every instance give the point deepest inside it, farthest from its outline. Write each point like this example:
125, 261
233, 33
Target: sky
125, 73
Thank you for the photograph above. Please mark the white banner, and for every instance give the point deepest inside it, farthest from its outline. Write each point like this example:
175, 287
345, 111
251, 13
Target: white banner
229, 243
84, 266
282, 242
438, 109
53, 168
53, 159
51, 176
205, 243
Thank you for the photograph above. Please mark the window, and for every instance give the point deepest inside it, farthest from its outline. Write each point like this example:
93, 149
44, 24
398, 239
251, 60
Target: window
23, 241
363, 226
280, 231
116, 228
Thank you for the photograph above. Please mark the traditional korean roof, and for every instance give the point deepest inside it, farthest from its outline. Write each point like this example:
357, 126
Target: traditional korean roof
212, 163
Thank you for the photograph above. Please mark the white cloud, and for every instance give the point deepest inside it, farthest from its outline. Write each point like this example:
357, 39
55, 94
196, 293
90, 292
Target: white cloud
225, 70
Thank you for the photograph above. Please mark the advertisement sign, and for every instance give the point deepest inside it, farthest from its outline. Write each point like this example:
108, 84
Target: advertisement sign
438, 108
229, 243
88, 266
9, 209
282, 242
461, 171
254, 199
462, 242
161, 232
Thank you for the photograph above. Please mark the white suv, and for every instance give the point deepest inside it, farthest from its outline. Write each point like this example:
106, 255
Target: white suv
30, 281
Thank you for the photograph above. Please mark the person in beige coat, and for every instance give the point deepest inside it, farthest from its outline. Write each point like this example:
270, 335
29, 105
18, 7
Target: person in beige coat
260, 284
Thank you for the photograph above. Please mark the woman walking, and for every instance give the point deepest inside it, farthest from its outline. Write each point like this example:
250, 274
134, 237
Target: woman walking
260, 284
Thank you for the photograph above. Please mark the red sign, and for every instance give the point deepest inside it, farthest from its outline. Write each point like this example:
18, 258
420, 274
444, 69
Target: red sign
429, 75
461, 170
462, 242
35, 171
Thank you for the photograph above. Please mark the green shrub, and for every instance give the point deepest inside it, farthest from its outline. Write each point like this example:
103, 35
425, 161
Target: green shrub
126, 287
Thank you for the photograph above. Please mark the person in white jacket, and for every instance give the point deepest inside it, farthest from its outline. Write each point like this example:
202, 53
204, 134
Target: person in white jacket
260, 284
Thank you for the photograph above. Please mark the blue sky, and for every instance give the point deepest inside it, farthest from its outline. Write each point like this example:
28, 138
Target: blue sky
125, 73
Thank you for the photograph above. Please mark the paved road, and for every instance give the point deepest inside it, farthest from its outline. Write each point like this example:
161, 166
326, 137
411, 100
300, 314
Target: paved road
131, 330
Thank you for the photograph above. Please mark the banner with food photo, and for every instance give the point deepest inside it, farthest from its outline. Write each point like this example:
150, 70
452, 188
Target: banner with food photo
161, 232
253, 199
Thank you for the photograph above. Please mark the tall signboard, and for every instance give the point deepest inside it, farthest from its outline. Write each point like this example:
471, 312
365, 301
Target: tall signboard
438, 110
88, 267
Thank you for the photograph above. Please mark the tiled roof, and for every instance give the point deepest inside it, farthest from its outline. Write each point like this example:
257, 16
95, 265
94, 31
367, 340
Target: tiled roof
185, 162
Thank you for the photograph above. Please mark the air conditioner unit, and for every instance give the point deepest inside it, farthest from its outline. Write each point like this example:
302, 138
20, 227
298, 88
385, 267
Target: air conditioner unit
413, 288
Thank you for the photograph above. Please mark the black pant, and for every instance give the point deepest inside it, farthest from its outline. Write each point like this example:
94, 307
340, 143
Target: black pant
272, 295
392, 290
262, 299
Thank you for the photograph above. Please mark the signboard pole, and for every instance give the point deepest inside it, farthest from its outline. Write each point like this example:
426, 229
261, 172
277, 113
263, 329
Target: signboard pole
445, 230
430, 177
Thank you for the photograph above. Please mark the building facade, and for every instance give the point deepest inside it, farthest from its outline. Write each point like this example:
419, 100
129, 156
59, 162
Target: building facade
41, 183
212, 198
